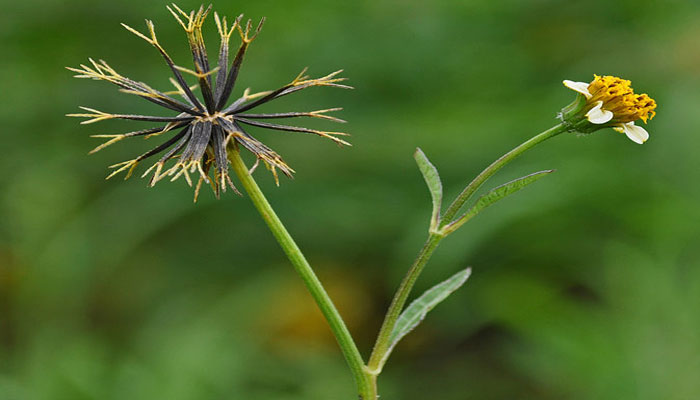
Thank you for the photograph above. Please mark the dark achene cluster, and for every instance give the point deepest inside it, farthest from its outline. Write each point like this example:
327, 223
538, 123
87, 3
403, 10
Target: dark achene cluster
204, 129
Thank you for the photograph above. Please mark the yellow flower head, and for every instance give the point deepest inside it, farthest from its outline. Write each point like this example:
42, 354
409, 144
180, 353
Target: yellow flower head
611, 102
619, 98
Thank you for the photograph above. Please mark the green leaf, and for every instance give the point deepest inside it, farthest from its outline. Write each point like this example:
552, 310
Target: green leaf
496, 194
507, 189
417, 310
432, 179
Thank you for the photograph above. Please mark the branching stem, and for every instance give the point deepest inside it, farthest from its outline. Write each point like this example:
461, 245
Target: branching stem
381, 347
475, 184
366, 376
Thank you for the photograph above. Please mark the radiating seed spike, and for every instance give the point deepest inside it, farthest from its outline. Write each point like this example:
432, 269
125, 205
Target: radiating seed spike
170, 171
121, 167
177, 85
215, 189
117, 165
80, 71
196, 190
260, 25
255, 166
105, 65
177, 17
152, 30
274, 173
154, 134
201, 171
327, 110
131, 170
179, 173
187, 177
137, 33
221, 179
258, 95
237, 25
300, 77
232, 186
195, 73
332, 74
190, 25
219, 25
179, 10
97, 66
148, 171
146, 137
156, 175
232, 28
109, 69
206, 12
139, 93
107, 143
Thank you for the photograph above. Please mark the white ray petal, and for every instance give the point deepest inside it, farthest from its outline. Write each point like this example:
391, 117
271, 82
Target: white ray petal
581, 87
636, 133
599, 116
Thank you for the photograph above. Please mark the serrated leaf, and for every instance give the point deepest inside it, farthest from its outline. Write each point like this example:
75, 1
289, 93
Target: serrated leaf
432, 179
412, 316
496, 194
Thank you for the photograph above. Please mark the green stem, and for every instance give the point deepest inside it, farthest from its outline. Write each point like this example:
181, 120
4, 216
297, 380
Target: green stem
474, 185
324, 302
381, 346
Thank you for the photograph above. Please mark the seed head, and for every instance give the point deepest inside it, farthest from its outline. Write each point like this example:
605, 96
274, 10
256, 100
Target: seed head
202, 129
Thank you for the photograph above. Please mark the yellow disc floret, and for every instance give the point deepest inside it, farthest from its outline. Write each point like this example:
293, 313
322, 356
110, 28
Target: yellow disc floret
618, 97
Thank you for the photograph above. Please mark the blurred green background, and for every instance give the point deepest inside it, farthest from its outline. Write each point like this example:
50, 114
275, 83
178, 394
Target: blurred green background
585, 285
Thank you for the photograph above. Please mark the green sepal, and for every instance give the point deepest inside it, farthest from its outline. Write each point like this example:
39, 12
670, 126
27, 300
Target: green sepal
572, 111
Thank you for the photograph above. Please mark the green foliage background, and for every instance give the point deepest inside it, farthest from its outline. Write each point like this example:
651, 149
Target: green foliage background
585, 285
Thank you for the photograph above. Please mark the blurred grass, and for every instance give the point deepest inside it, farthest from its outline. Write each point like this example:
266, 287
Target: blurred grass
586, 286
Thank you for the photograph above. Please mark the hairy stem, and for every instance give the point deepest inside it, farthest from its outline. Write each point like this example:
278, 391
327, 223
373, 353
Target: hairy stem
381, 346
324, 302
474, 185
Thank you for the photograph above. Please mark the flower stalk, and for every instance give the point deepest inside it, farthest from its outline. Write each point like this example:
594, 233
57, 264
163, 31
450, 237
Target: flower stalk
447, 225
301, 265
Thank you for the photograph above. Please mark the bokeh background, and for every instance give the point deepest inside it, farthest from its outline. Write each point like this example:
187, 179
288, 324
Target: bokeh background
586, 285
